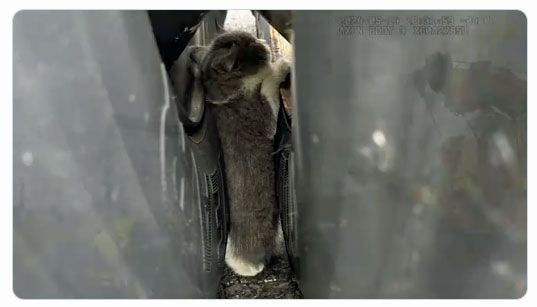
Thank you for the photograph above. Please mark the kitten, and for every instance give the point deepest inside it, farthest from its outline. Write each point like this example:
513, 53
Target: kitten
243, 88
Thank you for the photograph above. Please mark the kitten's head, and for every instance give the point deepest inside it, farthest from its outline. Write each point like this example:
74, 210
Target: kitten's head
231, 57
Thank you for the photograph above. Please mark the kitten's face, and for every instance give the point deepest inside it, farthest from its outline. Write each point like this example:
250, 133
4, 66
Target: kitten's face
231, 57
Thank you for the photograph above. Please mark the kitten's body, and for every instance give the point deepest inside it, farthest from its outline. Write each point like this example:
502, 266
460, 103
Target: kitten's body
243, 88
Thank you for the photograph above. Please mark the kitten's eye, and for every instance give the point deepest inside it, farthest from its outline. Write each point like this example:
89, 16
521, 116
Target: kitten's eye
236, 66
228, 45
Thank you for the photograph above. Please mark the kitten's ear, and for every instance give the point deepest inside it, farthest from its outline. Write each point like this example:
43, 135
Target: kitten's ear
197, 53
226, 62
230, 63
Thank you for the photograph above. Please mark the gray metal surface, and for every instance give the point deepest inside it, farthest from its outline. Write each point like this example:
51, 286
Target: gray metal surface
411, 165
107, 202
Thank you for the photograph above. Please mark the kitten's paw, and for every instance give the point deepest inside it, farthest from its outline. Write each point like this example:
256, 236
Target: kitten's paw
282, 68
243, 267
238, 264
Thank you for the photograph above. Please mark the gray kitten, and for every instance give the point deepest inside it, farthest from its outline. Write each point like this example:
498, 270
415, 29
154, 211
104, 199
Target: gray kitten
243, 88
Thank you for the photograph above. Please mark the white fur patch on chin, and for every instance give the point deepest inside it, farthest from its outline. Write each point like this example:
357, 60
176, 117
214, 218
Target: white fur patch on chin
239, 265
250, 83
